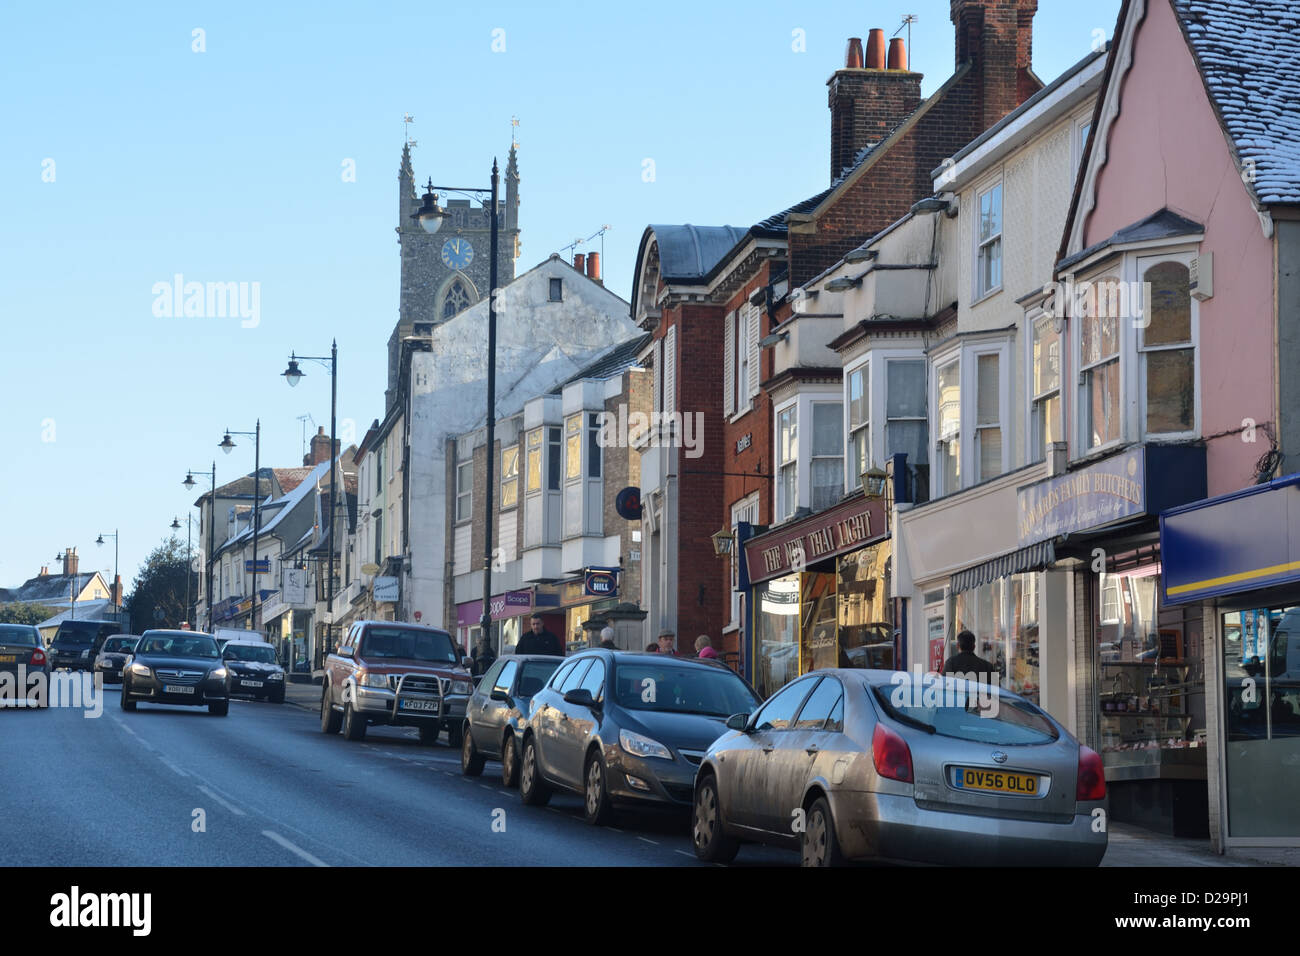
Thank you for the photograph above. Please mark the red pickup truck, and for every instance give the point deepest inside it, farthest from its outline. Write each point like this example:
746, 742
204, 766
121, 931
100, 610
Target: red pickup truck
403, 675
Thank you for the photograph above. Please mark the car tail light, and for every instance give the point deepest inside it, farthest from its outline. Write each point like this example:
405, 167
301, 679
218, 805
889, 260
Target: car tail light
38, 658
891, 754
1092, 776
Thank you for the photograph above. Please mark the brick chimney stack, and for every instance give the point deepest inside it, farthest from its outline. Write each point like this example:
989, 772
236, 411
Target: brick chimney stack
320, 448
593, 267
996, 37
70, 564
45, 571
868, 101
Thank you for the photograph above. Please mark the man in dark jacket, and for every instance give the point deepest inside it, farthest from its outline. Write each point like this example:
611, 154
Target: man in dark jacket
967, 664
539, 640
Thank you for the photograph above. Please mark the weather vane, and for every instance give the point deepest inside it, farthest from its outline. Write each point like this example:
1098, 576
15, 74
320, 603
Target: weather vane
514, 125
408, 119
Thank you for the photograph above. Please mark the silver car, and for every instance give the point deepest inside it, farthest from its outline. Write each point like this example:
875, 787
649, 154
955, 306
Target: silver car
868, 764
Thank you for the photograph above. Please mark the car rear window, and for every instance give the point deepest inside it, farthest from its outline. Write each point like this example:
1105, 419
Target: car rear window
534, 676
956, 708
76, 633
118, 645
19, 634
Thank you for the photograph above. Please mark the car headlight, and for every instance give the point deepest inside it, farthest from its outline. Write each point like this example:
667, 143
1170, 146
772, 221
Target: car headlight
640, 746
375, 680
461, 687
219, 673
276, 676
141, 670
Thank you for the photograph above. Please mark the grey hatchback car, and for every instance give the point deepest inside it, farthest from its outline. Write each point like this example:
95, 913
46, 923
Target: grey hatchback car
627, 728
497, 712
868, 764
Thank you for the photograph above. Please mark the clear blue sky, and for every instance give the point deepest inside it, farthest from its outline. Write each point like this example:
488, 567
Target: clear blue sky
226, 166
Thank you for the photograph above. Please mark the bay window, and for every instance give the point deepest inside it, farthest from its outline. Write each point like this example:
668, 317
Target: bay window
1099, 340
988, 416
906, 428
948, 418
1168, 354
859, 392
827, 471
509, 476
1044, 387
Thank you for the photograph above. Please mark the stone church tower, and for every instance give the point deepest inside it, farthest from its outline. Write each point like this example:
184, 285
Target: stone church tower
446, 272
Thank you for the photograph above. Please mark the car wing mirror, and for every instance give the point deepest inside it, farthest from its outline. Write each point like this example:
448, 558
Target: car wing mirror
579, 696
738, 722
467, 662
498, 694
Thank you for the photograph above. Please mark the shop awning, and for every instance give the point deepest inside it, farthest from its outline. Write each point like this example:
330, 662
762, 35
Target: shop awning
1030, 558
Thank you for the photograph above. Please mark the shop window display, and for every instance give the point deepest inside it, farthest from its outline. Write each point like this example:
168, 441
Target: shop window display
817, 619
866, 626
1150, 676
776, 653
1003, 616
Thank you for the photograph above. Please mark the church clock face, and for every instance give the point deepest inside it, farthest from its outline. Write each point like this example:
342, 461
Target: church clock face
457, 253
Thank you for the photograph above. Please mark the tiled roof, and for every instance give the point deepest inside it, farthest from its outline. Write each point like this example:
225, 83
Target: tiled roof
50, 587
611, 363
1248, 51
291, 478
776, 224
1163, 224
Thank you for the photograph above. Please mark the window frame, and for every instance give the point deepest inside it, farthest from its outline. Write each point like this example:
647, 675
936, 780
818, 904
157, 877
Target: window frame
555, 289
863, 368
464, 492
746, 509
509, 479
979, 292
785, 509
1035, 434
813, 457
1141, 265
938, 470
970, 401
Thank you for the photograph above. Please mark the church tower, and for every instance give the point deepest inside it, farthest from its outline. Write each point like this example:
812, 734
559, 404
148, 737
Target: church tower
447, 272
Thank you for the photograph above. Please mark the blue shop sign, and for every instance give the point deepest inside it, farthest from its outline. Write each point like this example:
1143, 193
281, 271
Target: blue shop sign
600, 582
1142, 480
1231, 544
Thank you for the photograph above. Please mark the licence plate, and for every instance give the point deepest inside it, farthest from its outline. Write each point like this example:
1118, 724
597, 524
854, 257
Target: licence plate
995, 781
177, 689
250, 683
7, 658
420, 705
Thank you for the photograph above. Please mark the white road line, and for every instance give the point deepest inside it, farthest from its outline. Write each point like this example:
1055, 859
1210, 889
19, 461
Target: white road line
648, 840
684, 853
225, 803
505, 793
485, 787
171, 766
297, 850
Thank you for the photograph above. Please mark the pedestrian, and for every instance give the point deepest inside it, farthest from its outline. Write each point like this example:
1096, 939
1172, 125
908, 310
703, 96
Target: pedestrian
539, 640
652, 648
666, 638
483, 656
704, 648
966, 664
607, 639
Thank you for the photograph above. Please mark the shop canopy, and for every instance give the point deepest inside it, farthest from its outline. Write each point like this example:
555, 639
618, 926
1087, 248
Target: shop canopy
1032, 558
1232, 544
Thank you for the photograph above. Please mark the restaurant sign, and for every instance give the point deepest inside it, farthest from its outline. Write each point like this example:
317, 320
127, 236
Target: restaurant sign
829, 533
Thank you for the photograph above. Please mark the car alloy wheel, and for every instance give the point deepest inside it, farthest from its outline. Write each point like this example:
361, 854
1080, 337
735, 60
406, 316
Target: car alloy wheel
533, 790
597, 803
354, 727
330, 721
819, 846
127, 703
711, 842
471, 761
509, 763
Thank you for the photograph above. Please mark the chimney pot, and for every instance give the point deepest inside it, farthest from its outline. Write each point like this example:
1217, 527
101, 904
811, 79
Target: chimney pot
853, 55
897, 54
876, 50
579, 261
593, 266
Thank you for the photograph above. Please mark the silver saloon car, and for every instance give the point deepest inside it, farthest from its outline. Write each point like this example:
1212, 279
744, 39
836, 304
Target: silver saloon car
848, 765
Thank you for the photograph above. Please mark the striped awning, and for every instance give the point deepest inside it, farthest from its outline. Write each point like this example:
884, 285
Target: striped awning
1030, 558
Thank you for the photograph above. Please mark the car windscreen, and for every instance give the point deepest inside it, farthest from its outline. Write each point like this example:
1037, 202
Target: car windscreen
534, 676
178, 646
682, 689
19, 634
248, 652
406, 644
956, 708
119, 645
69, 633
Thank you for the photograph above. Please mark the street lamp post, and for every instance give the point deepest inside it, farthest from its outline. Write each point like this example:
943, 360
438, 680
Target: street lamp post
212, 521
175, 526
228, 446
293, 375
430, 218
117, 603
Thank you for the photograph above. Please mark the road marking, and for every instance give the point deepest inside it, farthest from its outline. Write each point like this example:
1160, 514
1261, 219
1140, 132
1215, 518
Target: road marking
615, 829
684, 853
297, 850
485, 786
648, 840
504, 793
172, 766
225, 803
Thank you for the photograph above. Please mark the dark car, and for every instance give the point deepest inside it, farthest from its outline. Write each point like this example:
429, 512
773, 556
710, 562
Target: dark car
113, 656
497, 712
626, 728
870, 764
254, 671
177, 667
22, 654
76, 644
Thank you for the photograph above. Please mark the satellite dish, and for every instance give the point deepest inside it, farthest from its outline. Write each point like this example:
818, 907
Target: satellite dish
370, 568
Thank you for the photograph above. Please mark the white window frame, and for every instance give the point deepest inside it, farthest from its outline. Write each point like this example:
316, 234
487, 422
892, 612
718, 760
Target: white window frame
937, 365
506, 480
1034, 434
881, 452
463, 492
746, 509
1132, 365
980, 293
785, 508
1079, 140
970, 406
854, 482
813, 402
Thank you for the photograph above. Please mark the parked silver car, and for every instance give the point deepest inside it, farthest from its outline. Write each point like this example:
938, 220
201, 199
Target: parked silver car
497, 712
869, 764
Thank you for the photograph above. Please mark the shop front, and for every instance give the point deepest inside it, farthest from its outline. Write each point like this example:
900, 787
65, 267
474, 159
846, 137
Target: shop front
1233, 564
1138, 662
509, 615
820, 595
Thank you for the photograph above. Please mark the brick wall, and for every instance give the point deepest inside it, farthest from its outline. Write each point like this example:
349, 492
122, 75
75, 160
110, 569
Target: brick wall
865, 105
